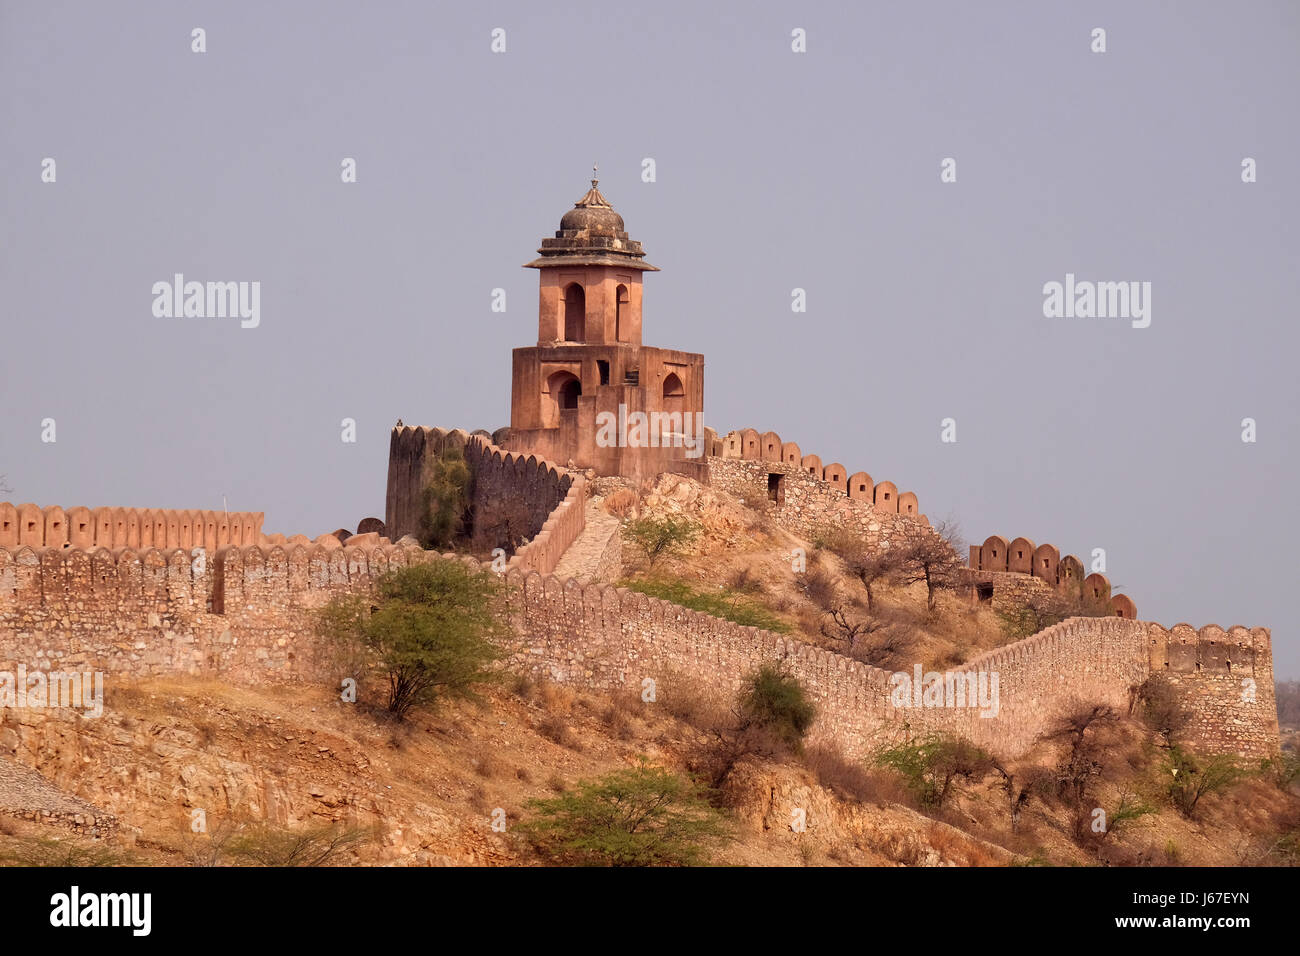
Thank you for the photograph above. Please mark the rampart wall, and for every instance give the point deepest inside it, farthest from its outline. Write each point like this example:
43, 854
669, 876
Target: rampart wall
243, 615
805, 504
748, 444
1005, 567
522, 503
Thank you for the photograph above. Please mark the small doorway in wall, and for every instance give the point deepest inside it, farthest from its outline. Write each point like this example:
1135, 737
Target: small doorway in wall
984, 593
776, 487
603, 367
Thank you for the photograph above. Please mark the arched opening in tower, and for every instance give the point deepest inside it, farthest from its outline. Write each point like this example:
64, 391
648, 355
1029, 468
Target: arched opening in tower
569, 393
561, 394
620, 312
575, 313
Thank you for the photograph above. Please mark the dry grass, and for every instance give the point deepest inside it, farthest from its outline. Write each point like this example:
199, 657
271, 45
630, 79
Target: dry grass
620, 503
849, 780
557, 731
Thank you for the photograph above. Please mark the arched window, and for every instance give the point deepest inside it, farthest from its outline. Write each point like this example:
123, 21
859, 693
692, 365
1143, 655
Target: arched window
620, 311
562, 391
569, 393
673, 387
575, 313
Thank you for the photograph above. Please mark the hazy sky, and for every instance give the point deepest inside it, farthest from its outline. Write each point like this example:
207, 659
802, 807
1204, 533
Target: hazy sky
775, 170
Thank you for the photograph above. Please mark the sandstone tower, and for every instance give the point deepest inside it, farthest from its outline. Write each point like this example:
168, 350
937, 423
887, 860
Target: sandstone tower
589, 367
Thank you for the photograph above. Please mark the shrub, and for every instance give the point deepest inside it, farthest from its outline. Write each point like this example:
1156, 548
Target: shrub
846, 778
431, 633
639, 816
1161, 710
309, 846
931, 766
1283, 769
1194, 777
776, 702
557, 731
771, 716
658, 537
444, 500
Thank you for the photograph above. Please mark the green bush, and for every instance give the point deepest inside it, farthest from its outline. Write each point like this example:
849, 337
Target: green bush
777, 703
431, 631
639, 816
1193, 777
445, 501
931, 766
728, 605
658, 537
1283, 769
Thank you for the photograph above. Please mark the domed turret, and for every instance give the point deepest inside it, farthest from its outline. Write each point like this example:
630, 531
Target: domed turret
592, 215
591, 234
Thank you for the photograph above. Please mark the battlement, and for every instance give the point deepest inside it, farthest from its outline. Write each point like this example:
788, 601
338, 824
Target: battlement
749, 445
998, 561
54, 527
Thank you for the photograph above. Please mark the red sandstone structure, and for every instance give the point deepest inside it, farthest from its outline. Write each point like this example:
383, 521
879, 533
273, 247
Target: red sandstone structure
1009, 572
589, 359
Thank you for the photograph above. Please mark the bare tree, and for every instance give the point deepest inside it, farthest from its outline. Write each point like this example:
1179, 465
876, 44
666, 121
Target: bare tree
930, 555
869, 565
842, 625
1083, 729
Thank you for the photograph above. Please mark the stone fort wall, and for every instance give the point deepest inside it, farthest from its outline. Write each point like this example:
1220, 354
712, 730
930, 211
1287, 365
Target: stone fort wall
748, 444
806, 504
1015, 568
521, 503
243, 615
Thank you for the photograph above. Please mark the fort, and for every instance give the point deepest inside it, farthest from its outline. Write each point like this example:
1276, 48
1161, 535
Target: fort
146, 592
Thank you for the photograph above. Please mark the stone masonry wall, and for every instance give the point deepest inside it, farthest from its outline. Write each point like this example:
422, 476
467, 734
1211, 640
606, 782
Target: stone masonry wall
606, 637
243, 615
514, 497
804, 503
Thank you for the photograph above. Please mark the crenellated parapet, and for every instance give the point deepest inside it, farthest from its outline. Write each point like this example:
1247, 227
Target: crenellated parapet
751, 445
80, 527
997, 559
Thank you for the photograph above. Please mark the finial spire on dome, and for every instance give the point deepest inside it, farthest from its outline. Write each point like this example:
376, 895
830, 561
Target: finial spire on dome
593, 196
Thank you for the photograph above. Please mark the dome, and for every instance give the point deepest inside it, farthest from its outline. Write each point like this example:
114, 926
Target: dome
592, 215
592, 234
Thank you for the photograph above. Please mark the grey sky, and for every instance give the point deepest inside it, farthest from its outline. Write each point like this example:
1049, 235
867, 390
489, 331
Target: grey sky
775, 171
